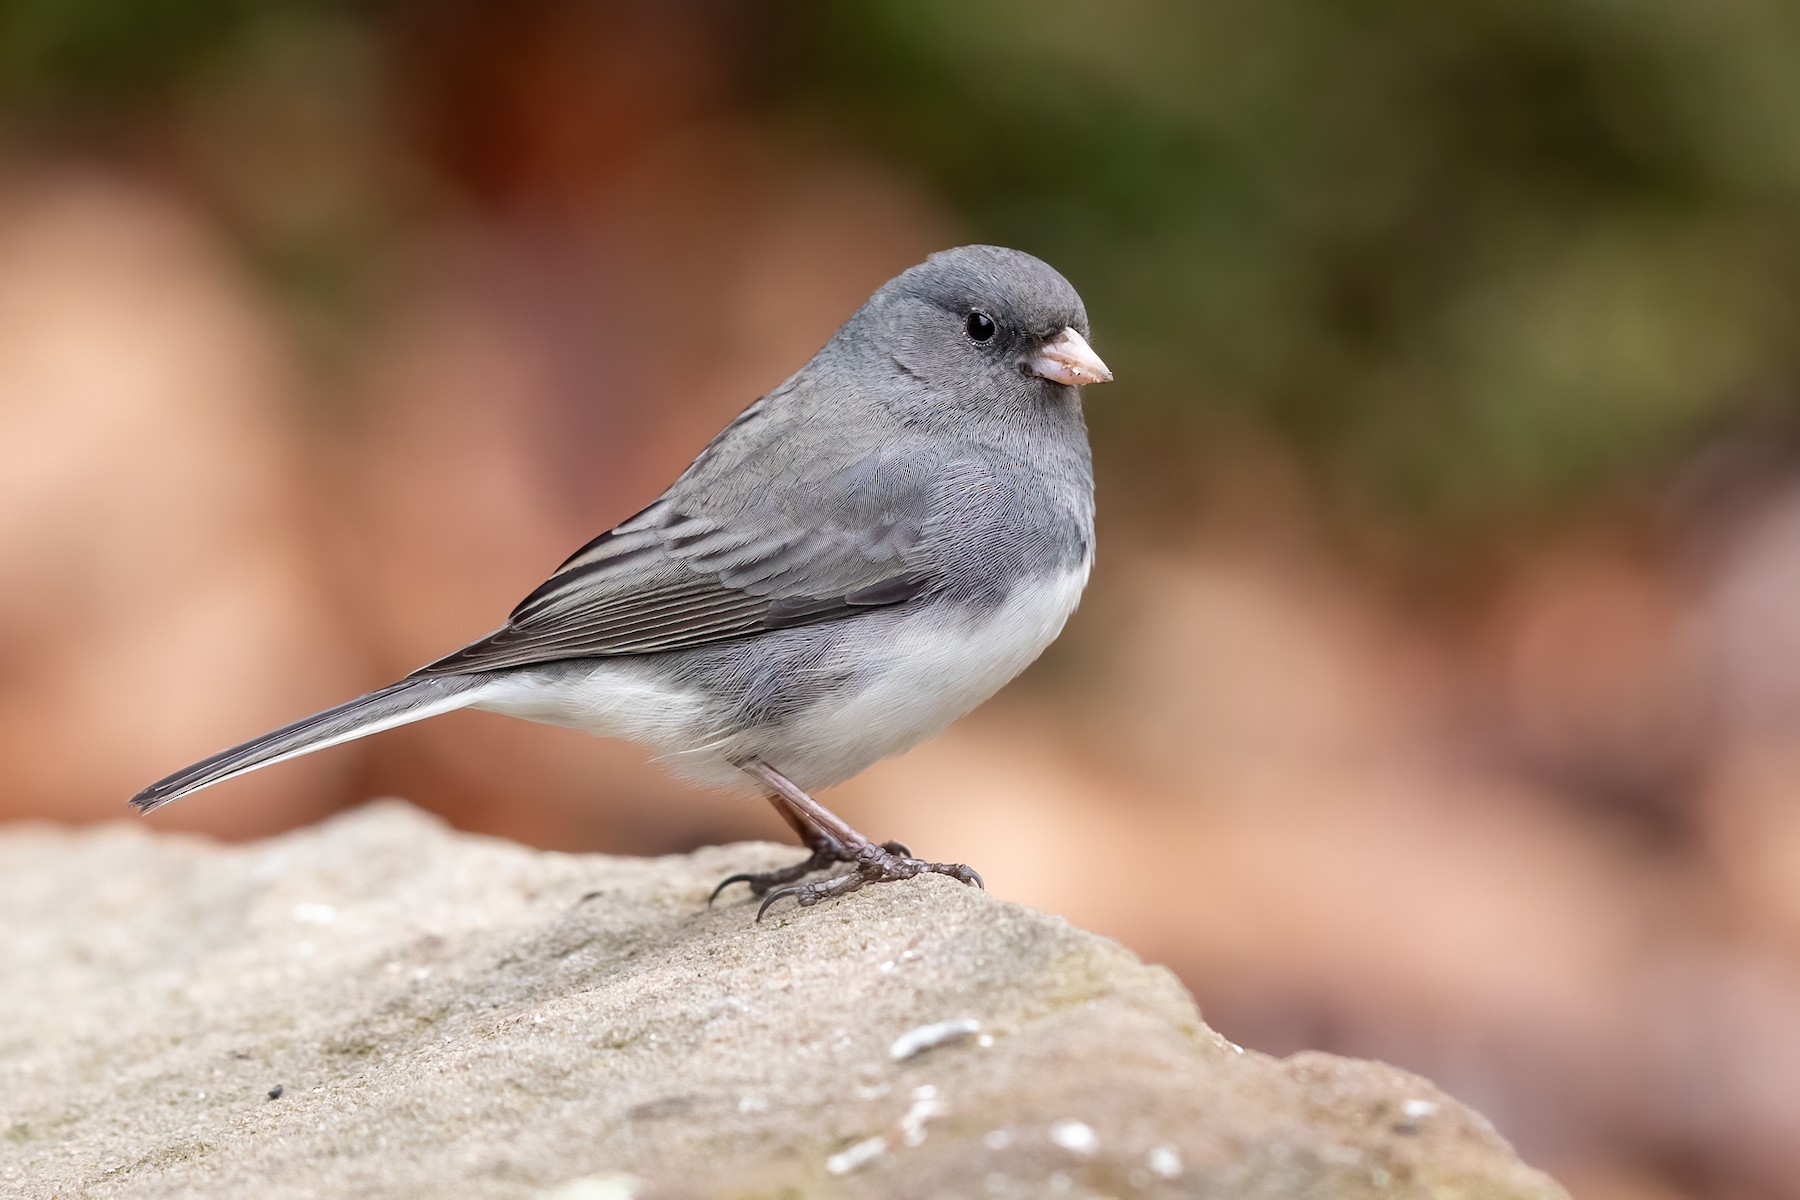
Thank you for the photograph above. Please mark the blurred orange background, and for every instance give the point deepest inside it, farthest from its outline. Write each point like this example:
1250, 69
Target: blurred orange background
1436, 695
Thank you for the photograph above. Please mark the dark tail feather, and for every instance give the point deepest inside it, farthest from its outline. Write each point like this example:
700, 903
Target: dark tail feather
400, 704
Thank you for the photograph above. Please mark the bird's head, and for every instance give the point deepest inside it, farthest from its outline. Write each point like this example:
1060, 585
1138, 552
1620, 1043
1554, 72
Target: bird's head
985, 322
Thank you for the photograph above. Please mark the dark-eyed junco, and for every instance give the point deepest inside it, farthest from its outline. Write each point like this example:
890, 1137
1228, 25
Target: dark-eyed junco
863, 555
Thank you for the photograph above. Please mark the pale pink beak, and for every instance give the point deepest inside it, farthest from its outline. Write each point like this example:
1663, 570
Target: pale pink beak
1067, 358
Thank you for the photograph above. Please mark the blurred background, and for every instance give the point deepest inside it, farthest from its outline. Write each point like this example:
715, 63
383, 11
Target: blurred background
1437, 695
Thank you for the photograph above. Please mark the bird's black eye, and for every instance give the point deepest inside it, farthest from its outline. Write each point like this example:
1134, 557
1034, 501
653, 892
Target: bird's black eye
980, 326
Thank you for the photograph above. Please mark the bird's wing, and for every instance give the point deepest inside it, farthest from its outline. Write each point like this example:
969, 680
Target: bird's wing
679, 575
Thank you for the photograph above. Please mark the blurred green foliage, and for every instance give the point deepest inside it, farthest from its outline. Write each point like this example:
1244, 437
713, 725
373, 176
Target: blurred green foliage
69, 57
1474, 261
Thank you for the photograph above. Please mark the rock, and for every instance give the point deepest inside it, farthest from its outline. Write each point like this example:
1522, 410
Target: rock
379, 1006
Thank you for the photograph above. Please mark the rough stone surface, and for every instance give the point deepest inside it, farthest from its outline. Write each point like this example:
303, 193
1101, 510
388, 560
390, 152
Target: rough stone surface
382, 1007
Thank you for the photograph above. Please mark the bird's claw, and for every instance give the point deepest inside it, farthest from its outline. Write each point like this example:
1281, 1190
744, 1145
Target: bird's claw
876, 864
761, 881
824, 855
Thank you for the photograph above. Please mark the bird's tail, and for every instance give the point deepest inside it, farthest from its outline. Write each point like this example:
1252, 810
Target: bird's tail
398, 704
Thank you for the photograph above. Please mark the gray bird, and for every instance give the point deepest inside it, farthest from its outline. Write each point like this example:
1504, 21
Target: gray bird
862, 556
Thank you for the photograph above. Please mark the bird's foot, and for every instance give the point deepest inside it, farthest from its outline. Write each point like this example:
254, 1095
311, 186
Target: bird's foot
826, 853
875, 864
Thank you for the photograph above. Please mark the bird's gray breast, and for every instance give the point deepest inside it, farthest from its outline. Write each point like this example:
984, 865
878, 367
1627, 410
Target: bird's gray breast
1009, 521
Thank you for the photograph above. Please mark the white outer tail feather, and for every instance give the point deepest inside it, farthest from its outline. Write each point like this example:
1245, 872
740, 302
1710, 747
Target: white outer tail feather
398, 704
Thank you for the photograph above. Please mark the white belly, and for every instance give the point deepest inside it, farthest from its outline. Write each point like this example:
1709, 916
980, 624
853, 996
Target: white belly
935, 671
931, 669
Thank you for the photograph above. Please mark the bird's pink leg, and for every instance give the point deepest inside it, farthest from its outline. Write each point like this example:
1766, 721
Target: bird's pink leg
832, 840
